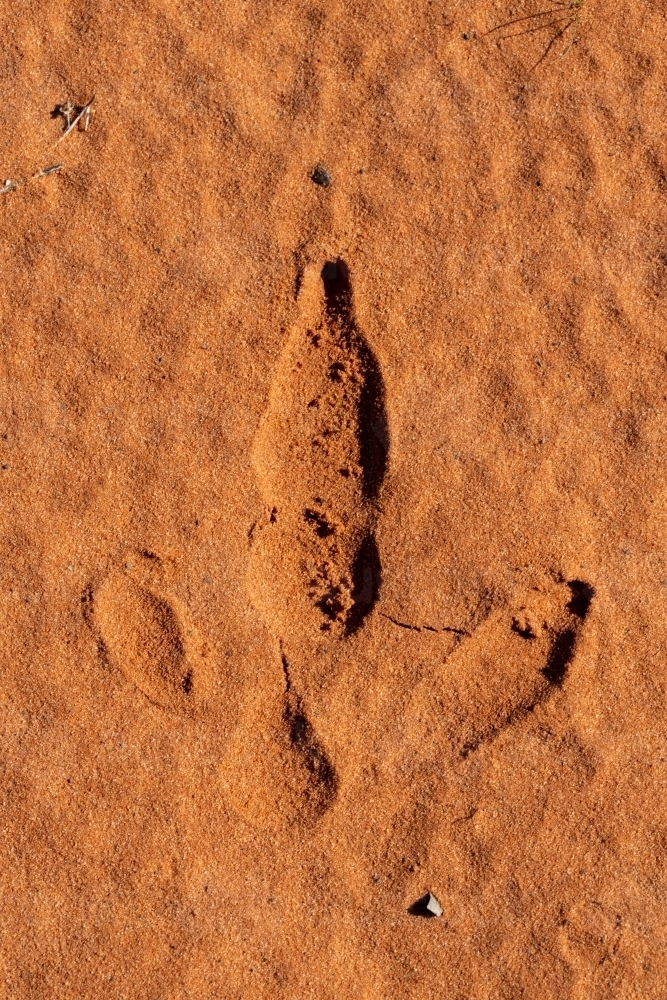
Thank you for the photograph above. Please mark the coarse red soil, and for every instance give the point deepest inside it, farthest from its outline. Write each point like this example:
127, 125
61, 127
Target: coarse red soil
333, 533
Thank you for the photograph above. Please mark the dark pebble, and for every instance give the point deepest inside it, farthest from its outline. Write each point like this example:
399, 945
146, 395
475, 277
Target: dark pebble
321, 176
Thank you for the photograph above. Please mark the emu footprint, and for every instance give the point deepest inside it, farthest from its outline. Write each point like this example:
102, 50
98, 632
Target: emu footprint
320, 455
142, 633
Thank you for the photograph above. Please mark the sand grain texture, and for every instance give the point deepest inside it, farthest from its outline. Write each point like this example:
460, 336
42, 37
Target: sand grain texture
333, 527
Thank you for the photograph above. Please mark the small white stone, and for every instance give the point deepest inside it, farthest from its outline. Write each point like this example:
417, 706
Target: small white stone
433, 906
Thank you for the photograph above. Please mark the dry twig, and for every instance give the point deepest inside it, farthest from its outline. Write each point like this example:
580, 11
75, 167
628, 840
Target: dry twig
48, 170
565, 14
67, 110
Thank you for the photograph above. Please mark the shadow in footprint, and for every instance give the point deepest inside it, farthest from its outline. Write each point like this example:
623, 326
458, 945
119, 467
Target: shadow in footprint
372, 426
582, 595
312, 755
562, 647
366, 580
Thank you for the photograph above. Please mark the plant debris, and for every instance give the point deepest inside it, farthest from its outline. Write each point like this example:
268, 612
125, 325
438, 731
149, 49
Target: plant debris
73, 114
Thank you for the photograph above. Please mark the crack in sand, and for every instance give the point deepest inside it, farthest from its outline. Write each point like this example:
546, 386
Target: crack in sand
426, 628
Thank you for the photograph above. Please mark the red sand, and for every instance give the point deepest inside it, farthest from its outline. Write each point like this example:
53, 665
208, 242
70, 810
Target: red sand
334, 518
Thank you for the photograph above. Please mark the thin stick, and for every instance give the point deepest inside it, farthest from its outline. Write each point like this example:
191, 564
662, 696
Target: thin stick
85, 110
572, 40
66, 110
539, 27
527, 17
49, 170
568, 46
8, 186
559, 34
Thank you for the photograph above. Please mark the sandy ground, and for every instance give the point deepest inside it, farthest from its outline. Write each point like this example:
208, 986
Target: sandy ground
333, 518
